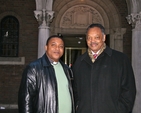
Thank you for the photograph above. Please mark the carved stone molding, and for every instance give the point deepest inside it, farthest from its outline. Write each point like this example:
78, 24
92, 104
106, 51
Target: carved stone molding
118, 32
44, 17
44, 13
135, 20
80, 16
116, 38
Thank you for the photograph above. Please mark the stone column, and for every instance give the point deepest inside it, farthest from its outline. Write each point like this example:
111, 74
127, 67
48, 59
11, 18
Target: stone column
135, 21
44, 16
116, 38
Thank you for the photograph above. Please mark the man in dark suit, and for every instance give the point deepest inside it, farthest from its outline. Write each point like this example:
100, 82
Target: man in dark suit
103, 78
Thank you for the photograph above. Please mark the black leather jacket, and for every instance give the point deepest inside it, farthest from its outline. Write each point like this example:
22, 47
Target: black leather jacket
38, 89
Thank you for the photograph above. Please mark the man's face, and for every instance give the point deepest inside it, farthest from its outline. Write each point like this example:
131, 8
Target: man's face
95, 39
55, 48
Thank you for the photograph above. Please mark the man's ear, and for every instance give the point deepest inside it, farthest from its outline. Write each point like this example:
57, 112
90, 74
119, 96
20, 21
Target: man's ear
104, 38
46, 47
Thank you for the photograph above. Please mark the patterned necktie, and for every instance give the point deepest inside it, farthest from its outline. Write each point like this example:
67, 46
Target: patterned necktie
95, 56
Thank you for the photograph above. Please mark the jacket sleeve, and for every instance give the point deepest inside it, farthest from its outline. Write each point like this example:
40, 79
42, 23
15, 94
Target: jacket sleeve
128, 88
27, 91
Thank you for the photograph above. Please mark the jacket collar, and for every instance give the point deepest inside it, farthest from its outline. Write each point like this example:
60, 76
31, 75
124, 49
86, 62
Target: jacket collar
86, 57
108, 51
45, 61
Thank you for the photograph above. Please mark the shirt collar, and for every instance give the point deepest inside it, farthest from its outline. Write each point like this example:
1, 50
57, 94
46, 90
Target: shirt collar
94, 52
51, 61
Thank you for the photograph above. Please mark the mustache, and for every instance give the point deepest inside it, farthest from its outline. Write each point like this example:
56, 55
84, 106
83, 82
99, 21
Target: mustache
93, 43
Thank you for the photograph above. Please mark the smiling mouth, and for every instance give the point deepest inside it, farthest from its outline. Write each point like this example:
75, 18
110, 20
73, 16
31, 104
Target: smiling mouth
57, 53
93, 44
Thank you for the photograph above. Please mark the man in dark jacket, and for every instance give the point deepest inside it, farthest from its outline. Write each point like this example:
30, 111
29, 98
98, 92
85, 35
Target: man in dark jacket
45, 85
103, 77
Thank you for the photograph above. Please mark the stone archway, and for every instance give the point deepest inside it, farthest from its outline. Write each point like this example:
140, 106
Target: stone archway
80, 16
68, 15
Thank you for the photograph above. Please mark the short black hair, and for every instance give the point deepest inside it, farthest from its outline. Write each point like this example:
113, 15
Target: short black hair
54, 36
96, 25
